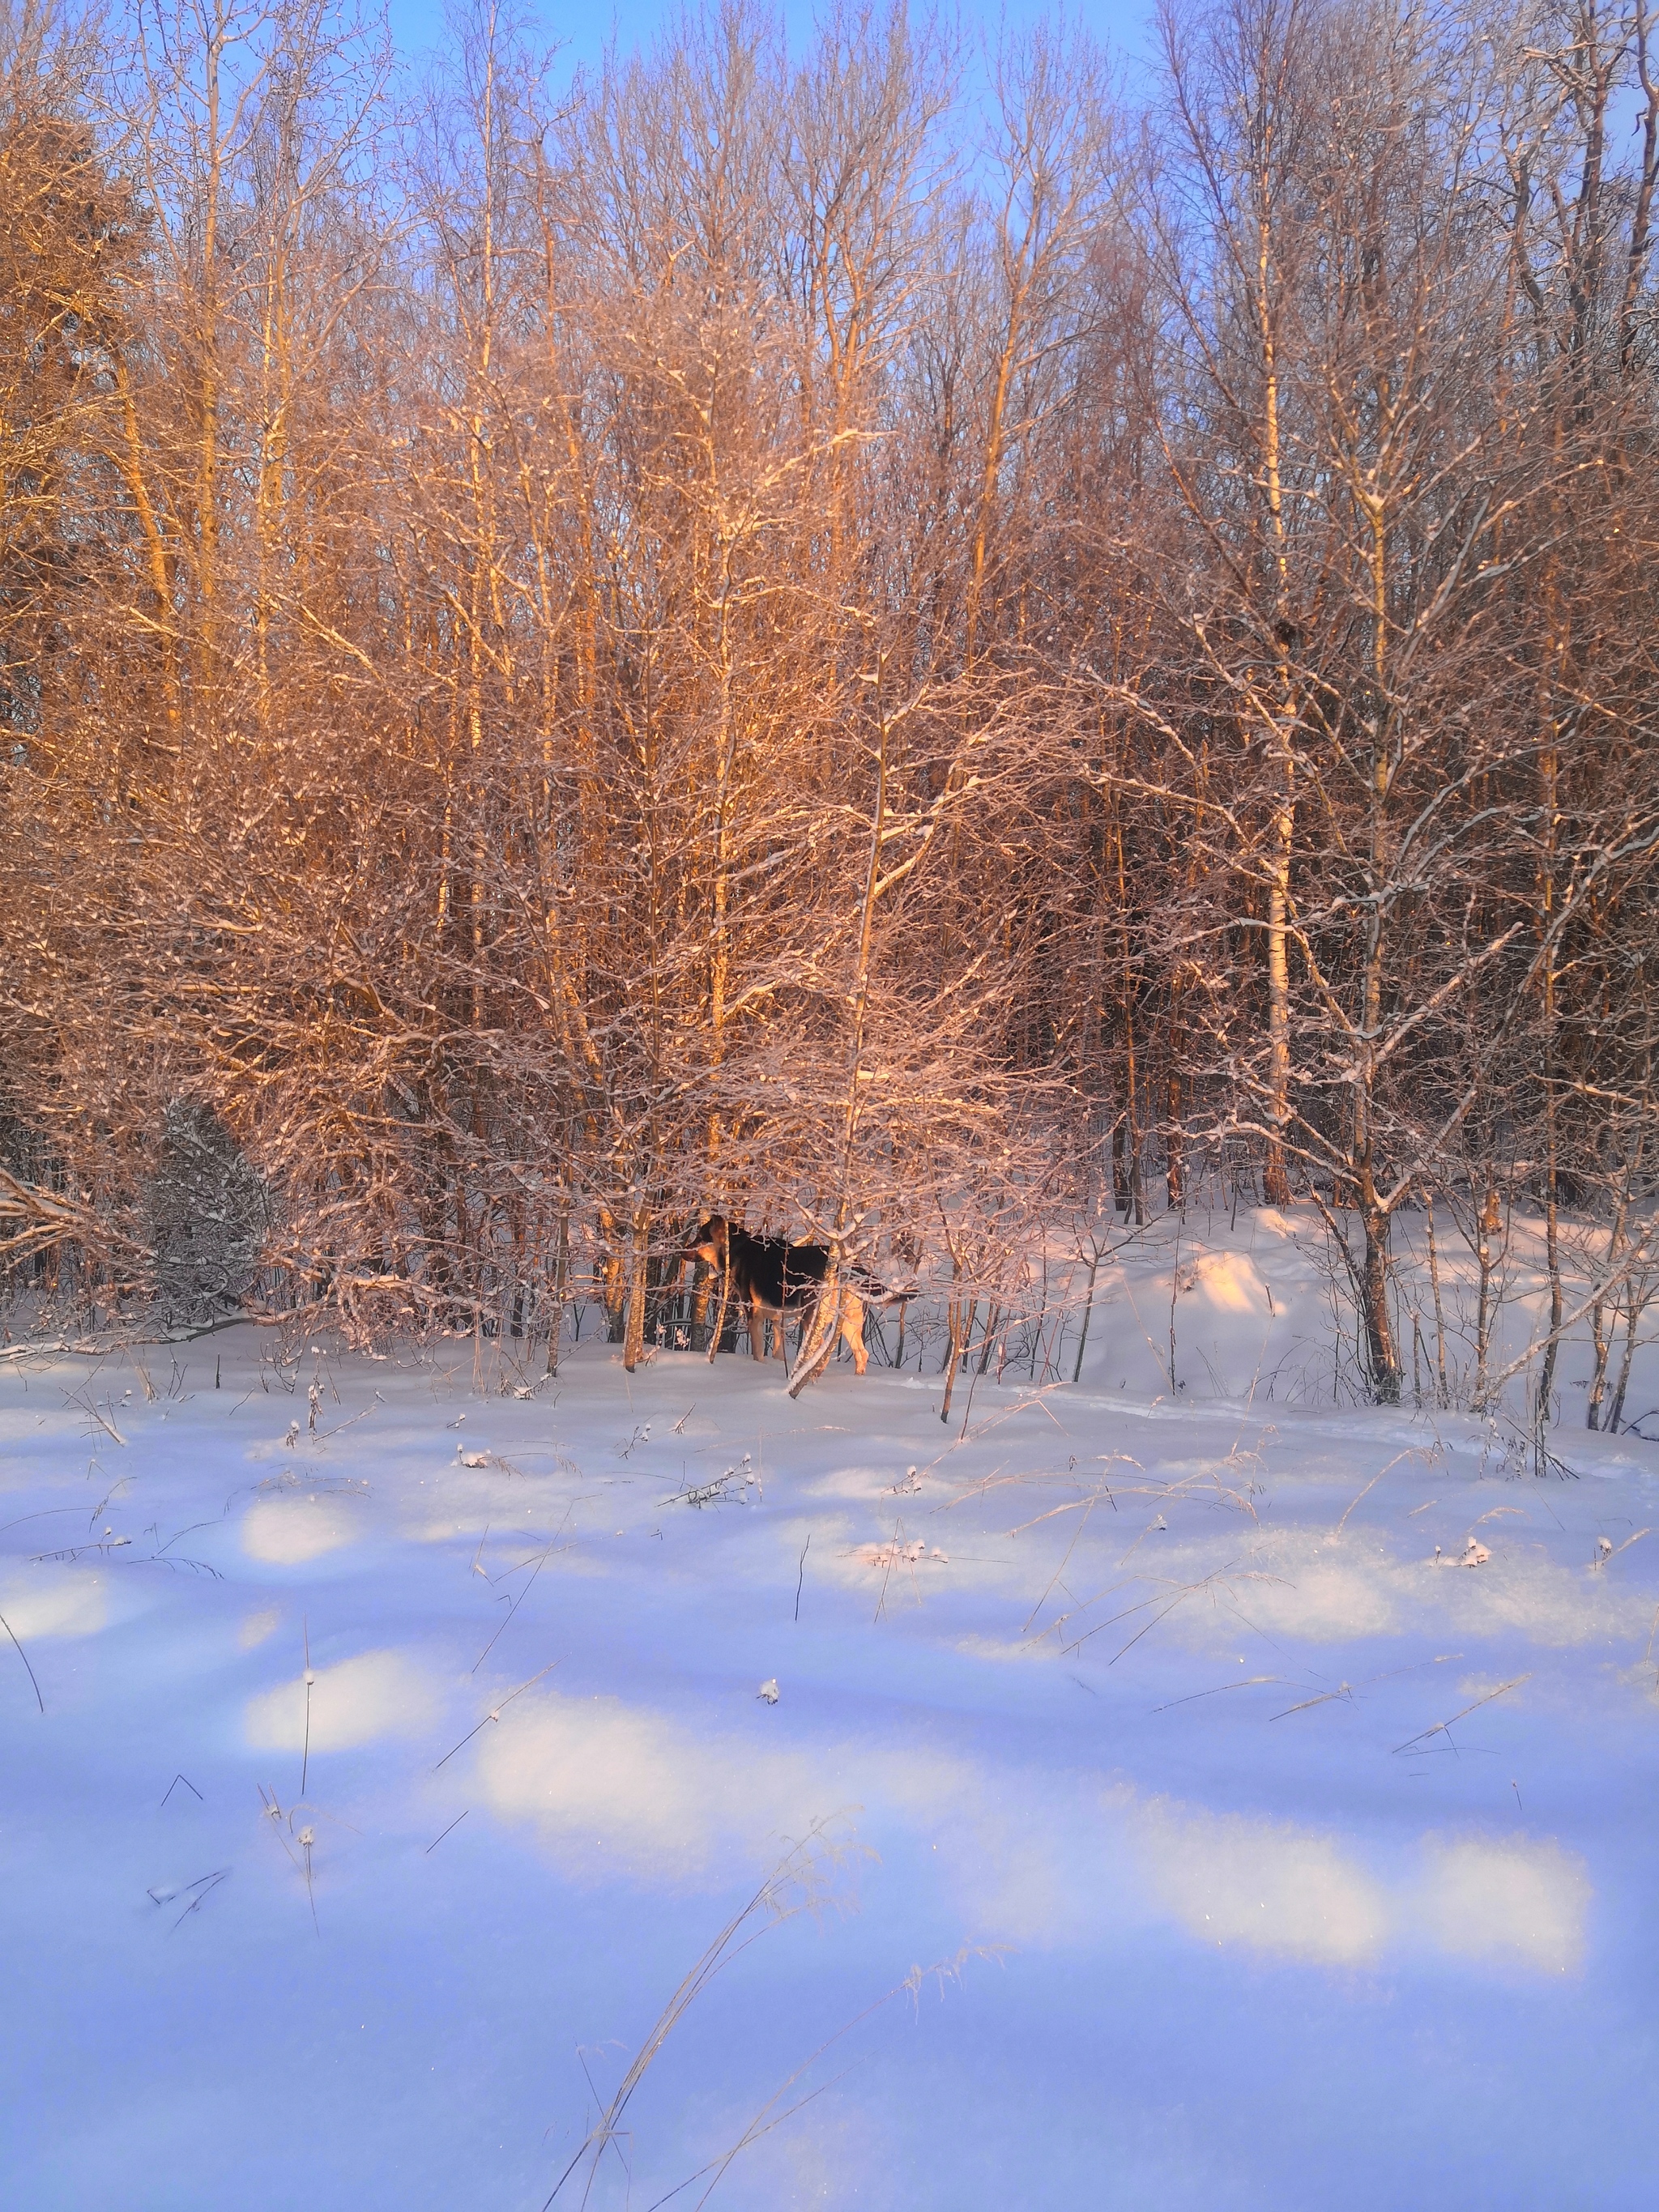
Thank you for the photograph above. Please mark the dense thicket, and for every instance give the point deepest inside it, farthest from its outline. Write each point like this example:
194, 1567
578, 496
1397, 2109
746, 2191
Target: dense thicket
891, 640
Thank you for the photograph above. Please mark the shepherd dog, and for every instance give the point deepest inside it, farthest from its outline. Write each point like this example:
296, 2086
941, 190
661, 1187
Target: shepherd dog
770, 1278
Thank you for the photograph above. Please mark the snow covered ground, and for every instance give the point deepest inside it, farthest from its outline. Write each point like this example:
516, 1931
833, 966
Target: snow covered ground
1297, 1863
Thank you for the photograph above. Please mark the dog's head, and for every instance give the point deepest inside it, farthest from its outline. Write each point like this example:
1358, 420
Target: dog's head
709, 1243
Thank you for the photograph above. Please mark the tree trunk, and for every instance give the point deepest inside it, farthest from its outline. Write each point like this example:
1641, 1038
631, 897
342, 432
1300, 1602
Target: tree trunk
638, 1254
1382, 1352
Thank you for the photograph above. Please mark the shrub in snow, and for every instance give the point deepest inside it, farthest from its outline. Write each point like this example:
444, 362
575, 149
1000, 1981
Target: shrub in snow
209, 1215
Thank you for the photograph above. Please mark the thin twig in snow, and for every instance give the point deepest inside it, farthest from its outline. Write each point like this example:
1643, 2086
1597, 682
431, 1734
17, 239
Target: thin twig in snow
1441, 1728
1254, 1682
495, 1714
305, 1763
24, 1656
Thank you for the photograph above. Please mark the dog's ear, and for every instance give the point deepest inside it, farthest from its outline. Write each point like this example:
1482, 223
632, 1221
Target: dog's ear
708, 1242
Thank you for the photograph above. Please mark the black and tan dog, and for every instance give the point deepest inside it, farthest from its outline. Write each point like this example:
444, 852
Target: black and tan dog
771, 1278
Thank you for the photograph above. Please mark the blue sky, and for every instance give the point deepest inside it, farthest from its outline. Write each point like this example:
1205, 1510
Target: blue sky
582, 32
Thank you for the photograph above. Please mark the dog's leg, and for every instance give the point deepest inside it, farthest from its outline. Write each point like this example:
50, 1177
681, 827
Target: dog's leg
756, 1328
851, 1328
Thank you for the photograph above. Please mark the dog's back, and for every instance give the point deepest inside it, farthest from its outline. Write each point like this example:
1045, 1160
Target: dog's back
769, 1270
772, 1277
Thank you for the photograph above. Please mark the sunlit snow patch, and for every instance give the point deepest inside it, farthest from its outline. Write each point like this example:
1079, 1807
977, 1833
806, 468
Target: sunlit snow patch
1231, 1284
1231, 1879
613, 1789
1319, 1590
617, 1791
1549, 1603
1521, 1903
1306, 1584
378, 1693
1237, 1879
286, 1532
58, 1603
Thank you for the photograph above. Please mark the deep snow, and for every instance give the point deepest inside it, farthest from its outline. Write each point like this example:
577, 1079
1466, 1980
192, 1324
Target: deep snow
1152, 1722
